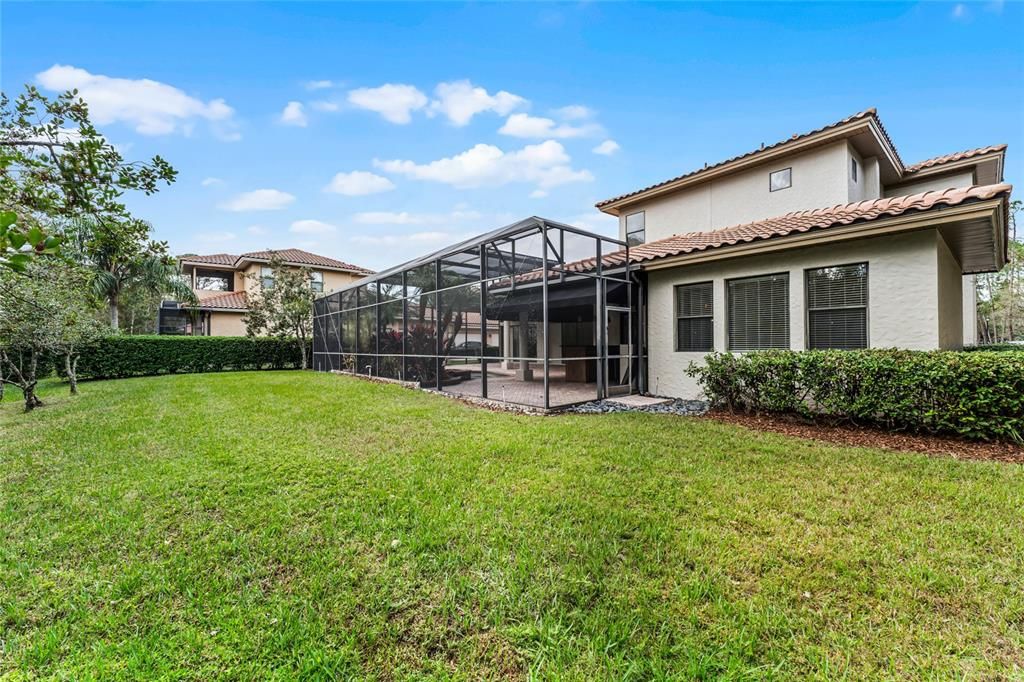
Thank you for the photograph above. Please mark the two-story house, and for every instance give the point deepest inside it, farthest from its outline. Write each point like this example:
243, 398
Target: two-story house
823, 240
223, 282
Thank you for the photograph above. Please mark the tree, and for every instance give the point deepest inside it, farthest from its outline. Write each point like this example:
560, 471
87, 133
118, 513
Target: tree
284, 309
1001, 294
44, 312
55, 166
124, 259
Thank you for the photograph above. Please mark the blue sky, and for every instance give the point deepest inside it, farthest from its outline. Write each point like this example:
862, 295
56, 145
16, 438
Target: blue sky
279, 121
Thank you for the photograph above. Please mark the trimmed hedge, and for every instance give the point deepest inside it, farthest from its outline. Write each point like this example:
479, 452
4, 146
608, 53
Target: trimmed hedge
977, 395
128, 356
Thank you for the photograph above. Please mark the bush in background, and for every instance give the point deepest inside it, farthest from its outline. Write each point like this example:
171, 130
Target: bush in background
129, 356
977, 395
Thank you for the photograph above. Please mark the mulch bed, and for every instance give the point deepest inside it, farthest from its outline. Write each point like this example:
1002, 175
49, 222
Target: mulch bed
862, 436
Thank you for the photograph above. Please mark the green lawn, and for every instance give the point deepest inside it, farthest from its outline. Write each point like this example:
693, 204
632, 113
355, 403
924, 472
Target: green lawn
285, 524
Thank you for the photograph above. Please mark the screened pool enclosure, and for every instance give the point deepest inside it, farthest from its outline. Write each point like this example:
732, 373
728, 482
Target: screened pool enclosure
536, 313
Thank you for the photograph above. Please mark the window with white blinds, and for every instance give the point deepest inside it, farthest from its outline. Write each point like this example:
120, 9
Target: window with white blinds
758, 312
694, 317
837, 307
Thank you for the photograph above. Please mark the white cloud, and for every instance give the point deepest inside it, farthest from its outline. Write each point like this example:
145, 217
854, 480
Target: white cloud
150, 107
460, 101
545, 164
210, 182
574, 112
607, 148
215, 237
419, 238
259, 200
319, 85
595, 221
324, 105
406, 218
257, 230
538, 194
394, 102
960, 11
294, 115
311, 227
359, 183
524, 125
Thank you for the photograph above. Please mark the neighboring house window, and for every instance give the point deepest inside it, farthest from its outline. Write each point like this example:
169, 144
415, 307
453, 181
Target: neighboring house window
316, 281
267, 277
837, 307
694, 317
758, 312
853, 169
780, 179
214, 280
636, 231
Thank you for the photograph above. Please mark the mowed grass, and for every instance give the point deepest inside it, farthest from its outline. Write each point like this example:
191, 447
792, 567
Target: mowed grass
282, 525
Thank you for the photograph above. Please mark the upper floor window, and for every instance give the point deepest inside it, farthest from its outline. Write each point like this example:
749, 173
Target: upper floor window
316, 281
759, 312
267, 277
636, 231
837, 307
780, 179
853, 169
694, 317
214, 280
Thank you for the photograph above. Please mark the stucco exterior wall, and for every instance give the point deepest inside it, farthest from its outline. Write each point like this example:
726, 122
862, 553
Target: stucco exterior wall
951, 297
970, 310
819, 180
227, 324
903, 299
963, 179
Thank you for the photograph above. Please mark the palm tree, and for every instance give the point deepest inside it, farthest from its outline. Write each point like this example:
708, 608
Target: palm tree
121, 256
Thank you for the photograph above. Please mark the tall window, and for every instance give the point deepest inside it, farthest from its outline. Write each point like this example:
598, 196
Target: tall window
316, 281
267, 277
694, 317
759, 312
853, 169
636, 229
837, 307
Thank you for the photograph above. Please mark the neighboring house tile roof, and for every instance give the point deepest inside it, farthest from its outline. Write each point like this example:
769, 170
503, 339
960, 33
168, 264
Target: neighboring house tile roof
868, 113
805, 221
213, 259
956, 156
305, 258
229, 300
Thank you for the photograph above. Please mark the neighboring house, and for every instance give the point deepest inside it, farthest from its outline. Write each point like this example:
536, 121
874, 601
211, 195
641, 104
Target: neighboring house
223, 282
824, 240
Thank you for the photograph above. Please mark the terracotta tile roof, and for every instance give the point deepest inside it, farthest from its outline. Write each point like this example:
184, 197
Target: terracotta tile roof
306, 258
213, 259
232, 300
805, 221
868, 113
956, 156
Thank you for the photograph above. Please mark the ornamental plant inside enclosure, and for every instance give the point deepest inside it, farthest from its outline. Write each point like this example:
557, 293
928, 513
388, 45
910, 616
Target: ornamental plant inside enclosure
977, 395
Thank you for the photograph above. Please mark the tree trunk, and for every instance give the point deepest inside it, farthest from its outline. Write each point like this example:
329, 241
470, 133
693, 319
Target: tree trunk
32, 401
112, 305
71, 367
302, 352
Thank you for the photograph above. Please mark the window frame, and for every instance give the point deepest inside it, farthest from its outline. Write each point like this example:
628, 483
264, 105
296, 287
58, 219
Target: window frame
866, 306
854, 169
729, 308
677, 317
780, 170
642, 231
264, 277
316, 278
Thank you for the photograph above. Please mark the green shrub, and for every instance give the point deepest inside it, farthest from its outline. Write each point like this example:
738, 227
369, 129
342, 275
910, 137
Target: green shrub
128, 356
977, 395
997, 347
